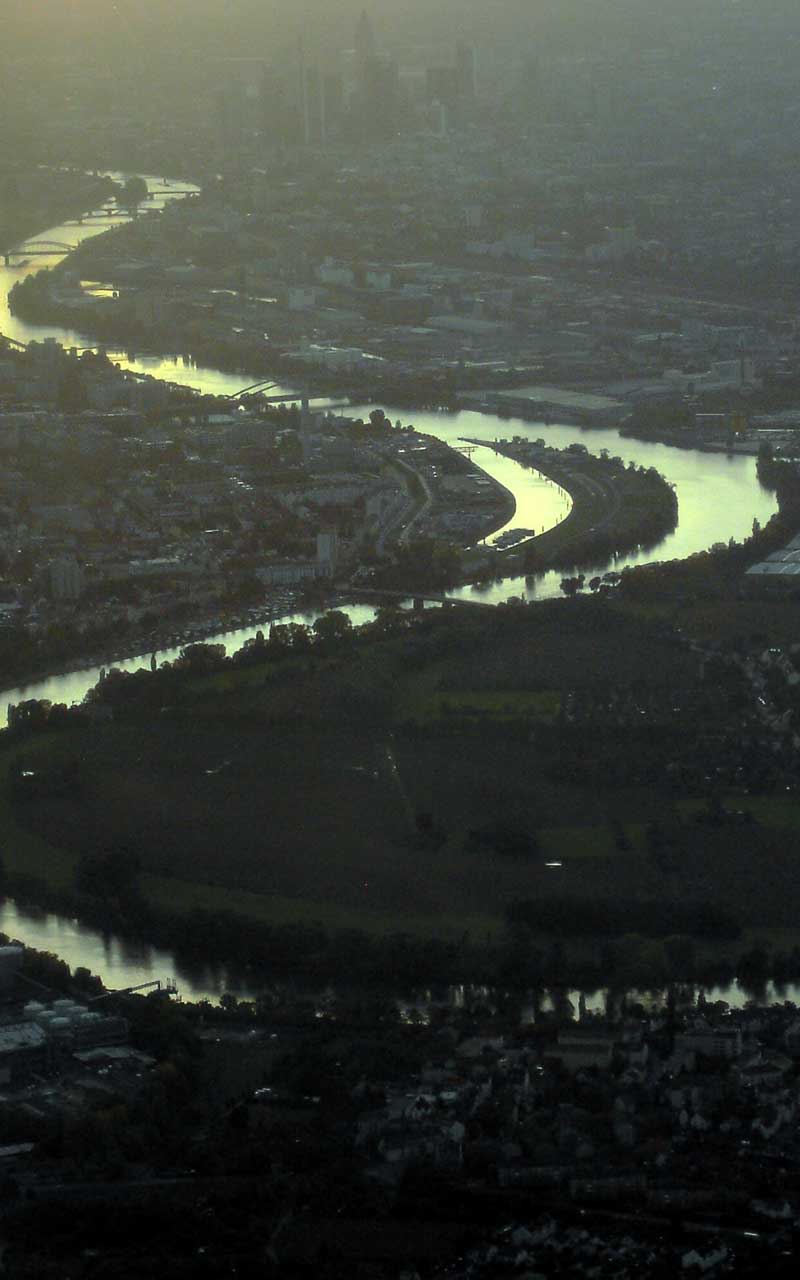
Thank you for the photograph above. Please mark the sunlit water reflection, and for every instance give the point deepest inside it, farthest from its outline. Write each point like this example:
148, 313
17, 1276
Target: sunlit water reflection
718, 499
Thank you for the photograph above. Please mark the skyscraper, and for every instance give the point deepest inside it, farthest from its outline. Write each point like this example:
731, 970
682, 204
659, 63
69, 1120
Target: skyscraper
333, 93
365, 46
466, 70
314, 121
380, 97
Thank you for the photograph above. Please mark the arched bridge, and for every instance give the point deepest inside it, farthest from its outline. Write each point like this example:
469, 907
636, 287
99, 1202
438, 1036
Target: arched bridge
259, 390
255, 388
38, 249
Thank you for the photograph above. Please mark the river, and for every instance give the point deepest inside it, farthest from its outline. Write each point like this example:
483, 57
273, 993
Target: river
718, 494
122, 963
73, 232
718, 498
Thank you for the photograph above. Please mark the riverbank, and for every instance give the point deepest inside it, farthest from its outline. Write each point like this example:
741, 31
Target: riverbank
505, 514
448, 498
687, 439
144, 647
192, 625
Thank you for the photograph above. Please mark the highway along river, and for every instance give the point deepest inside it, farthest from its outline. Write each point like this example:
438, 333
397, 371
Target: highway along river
718, 498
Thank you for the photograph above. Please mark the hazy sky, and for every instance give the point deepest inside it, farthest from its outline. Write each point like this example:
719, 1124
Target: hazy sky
173, 37
92, 25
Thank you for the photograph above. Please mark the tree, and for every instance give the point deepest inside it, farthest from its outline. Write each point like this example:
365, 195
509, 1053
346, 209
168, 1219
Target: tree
622, 840
510, 839
29, 716
71, 395
681, 955
753, 967
660, 845
429, 834
388, 619
87, 981
201, 659
133, 193
639, 960
333, 628
289, 636
110, 875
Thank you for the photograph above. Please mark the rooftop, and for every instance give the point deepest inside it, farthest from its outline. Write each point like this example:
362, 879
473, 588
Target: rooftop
21, 1035
562, 396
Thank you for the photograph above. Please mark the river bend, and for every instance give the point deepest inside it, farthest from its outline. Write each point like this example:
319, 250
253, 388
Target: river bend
718, 498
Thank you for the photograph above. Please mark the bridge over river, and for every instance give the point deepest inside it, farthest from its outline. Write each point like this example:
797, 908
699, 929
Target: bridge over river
377, 595
38, 249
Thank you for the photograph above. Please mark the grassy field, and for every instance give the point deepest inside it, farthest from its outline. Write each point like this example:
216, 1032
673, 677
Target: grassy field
283, 812
48, 843
289, 831
26, 852
540, 706
570, 843
554, 650
302, 825
345, 790
298, 825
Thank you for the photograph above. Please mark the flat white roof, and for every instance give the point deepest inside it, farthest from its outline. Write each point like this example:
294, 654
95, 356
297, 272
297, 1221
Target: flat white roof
563, 396
21, 1035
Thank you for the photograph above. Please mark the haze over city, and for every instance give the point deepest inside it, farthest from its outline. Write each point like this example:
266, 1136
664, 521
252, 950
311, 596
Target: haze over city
399, 650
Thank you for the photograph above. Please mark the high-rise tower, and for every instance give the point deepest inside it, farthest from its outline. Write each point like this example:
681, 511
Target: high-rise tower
365, 45
314, 122
466, 68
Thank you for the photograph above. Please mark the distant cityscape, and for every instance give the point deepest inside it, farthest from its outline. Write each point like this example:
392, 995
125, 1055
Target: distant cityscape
400, 458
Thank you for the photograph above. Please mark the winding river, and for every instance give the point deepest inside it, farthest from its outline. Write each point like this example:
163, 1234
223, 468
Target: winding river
718, 498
